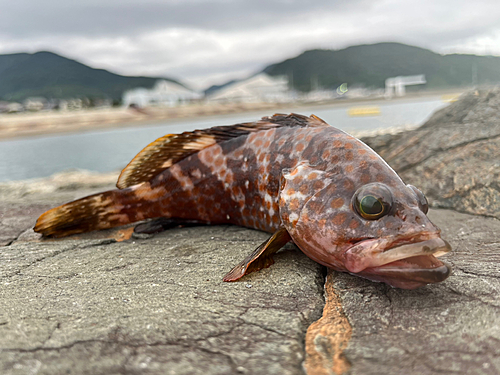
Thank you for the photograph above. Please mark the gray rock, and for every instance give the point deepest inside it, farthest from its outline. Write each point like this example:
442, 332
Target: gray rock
454, 158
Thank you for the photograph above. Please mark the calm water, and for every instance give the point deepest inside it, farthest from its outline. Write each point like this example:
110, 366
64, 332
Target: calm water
111, 150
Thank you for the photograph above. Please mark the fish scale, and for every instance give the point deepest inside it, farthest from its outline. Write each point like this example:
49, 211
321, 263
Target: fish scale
291, 175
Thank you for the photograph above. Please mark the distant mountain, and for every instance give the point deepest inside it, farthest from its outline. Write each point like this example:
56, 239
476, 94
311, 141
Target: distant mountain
49, 75
371, 65
215, 88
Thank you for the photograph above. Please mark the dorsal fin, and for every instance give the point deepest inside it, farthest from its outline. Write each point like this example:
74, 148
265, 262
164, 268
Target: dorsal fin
172, 148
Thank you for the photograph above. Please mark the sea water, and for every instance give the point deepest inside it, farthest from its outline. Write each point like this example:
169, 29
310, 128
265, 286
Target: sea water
111, 150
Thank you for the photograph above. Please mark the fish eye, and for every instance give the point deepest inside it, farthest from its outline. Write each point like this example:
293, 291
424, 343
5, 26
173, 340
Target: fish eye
372, 201
421, 199
370, 206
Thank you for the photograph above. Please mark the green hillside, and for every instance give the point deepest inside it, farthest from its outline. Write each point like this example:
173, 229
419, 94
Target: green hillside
49, 75
371, 65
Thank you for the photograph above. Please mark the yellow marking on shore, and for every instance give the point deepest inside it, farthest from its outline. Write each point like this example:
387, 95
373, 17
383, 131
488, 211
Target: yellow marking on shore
450, 98
363, 111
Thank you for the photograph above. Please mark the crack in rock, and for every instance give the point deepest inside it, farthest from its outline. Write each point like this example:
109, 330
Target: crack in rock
327, 338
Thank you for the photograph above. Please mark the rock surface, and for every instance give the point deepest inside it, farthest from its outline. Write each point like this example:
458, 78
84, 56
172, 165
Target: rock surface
454, 158
154, 306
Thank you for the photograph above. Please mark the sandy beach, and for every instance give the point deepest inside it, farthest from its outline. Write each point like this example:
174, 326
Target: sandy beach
52, 122
30, 124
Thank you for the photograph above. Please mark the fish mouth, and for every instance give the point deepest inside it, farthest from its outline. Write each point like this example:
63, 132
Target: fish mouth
401, 264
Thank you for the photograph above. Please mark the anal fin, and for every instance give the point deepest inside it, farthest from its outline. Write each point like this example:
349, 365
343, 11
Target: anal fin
161, 224
261, 257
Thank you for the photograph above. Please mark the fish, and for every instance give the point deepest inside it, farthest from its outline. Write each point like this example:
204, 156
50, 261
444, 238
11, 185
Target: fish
294, 176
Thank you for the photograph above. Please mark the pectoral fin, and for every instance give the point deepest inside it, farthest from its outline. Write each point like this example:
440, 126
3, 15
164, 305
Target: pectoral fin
260, 258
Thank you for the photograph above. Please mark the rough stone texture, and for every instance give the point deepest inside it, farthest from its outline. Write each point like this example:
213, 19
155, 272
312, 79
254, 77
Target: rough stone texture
154, 306
454, 158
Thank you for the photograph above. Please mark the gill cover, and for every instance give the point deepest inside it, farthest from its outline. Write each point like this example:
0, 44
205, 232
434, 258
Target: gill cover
298, 185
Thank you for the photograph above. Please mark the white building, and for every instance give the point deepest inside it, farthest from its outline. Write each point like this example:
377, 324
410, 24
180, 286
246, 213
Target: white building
35, 103
257, 89
10, 107
164, 93
397, 84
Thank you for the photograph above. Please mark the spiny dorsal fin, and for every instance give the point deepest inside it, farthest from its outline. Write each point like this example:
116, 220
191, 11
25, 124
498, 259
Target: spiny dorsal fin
172, 148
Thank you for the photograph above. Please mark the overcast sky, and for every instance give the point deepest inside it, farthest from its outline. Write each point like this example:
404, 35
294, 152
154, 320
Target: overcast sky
204, 42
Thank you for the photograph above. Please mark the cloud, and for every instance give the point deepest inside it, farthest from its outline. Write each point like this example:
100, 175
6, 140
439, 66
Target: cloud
208, 42
118, 18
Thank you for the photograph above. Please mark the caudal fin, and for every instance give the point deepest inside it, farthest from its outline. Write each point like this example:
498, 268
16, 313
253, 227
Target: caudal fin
100, 211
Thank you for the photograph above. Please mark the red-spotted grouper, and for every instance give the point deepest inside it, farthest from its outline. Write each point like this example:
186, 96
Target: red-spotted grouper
290, 175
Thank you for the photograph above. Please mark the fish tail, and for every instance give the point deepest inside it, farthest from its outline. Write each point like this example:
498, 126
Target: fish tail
99, 211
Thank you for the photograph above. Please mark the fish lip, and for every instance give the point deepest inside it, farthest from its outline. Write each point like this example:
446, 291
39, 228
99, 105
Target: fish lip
370, 253
411, 277
402, 263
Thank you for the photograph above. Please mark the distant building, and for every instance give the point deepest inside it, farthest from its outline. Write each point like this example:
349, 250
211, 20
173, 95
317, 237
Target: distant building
396, 85
35, 103
10, 107
164, 93
257, 89
71, 104
319, 95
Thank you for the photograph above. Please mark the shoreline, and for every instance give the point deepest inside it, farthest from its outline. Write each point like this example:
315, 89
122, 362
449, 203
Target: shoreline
25, 125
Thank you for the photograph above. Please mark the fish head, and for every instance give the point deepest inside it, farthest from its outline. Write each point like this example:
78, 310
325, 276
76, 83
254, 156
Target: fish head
377, 230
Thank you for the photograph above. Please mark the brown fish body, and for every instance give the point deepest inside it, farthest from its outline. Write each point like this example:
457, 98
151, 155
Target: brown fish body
238, 182
289, 175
